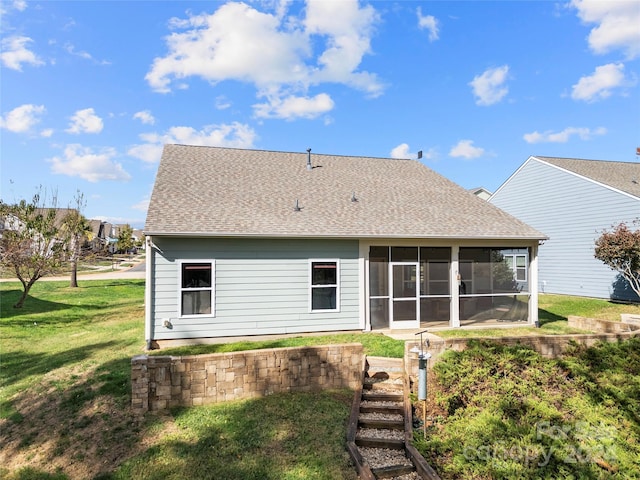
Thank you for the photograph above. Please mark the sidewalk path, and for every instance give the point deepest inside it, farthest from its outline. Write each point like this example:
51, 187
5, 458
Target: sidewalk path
135, 272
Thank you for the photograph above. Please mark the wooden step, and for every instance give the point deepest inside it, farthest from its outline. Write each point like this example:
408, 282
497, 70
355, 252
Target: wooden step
382, 409
383, 387
379, 423
393, 471
380, 443
378, 396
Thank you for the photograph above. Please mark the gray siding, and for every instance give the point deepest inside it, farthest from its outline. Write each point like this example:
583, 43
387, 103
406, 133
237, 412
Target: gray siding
572, 212
261, 287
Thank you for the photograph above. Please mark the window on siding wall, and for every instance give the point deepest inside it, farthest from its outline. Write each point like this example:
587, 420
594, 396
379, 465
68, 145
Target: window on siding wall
196, 288
324, 285
517, 263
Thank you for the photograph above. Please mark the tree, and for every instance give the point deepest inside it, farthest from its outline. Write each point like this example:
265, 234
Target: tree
75, 229
619, 249
125, 238
31, 244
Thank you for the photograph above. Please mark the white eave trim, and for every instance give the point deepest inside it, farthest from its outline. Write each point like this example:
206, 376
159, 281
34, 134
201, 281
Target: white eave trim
338, 237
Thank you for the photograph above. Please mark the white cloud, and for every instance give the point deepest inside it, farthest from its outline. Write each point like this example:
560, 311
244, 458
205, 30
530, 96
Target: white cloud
465, 149
430, 23
222, 103
402, 152
21, 119
234, 135
274, 52
616, 25
85, 121
598, 85
15, 53
46, 133
564, 135
145, 117
142, 205
92, 166
148, 152
348, 30
71, 50
292, 107
489, 88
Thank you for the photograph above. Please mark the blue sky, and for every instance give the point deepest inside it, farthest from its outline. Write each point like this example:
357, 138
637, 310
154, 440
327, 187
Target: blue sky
91, 90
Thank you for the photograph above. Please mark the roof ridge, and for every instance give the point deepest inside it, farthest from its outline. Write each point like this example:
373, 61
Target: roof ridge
289, 152
542, 157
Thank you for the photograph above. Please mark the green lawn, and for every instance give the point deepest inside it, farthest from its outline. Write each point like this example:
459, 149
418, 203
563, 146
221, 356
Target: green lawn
64, 397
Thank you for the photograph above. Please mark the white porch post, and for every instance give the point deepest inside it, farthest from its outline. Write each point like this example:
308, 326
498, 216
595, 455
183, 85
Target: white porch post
363, 266
454, 314
533, 285
149, 285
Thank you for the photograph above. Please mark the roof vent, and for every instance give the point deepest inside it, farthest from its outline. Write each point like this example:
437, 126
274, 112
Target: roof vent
297, 208
309, 166
353, 197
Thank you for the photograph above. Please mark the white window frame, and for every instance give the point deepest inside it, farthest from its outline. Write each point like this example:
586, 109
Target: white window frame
311, 286
514, 265
212, 288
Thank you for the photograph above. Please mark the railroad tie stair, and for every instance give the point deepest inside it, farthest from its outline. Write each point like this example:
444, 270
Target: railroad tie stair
379, 436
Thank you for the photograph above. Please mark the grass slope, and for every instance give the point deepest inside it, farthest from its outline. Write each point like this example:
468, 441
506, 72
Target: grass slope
65, 400
506, 412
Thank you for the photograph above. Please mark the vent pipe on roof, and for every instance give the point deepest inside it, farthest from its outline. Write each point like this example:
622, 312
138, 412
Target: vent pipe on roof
297, 208
309, 166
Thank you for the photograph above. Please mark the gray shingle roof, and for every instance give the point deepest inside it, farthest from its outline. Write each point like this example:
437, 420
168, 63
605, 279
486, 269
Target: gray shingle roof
618, 175
203, 191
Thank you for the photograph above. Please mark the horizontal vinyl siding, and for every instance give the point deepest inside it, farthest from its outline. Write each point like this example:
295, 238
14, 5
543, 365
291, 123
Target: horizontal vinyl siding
262, 287
572, 212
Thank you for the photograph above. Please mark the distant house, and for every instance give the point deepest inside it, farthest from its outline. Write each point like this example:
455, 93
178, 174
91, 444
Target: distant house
573, 201
253, 242
11, 222
481, 192
105, 236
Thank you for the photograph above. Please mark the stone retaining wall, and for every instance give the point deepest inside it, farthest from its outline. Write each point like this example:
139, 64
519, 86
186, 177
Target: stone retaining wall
550, 346
605, 326
159, 382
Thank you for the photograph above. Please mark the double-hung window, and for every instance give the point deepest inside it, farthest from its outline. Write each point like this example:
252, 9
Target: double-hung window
324, 285
518, 264
197, 280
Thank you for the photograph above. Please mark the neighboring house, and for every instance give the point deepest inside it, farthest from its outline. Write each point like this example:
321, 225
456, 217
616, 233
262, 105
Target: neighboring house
14, 223
138, 238
251, 242
481, 192
10, 222
573, 201
105, 236
98, 240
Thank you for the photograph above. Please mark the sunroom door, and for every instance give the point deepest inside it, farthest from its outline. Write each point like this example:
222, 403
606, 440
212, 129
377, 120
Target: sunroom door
405, 305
